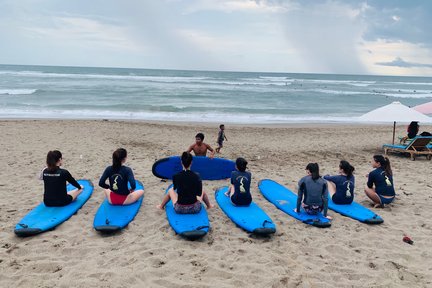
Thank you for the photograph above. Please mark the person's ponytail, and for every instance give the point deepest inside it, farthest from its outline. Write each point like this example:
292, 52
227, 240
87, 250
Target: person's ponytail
387, 167
313, 168
347, 168
117, 158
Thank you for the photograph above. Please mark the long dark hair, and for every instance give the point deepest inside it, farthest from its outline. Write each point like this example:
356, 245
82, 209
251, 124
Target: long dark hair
52, 158
314, 170
413, 128
347, 168
118, 156
385, 164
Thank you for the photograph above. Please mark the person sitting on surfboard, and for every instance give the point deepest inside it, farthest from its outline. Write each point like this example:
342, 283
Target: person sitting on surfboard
54, 177
312, 190
199, 147
188, 186
117, 192
382, 178
239, 191
341, 187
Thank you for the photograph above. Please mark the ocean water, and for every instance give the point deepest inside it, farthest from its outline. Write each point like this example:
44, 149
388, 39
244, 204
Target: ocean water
174, 95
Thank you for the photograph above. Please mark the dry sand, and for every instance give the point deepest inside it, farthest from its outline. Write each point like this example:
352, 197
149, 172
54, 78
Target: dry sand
149, 254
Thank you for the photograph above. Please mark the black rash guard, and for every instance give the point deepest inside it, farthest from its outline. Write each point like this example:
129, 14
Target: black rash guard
55, 193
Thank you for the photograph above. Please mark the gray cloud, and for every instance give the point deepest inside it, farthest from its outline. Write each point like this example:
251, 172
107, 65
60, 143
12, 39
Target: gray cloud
399, 62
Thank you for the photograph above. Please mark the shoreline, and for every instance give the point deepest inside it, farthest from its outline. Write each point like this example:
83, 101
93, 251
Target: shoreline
216, 124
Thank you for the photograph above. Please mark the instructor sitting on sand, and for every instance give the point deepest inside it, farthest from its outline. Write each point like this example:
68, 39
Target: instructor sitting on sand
199, 147
54, 177
188, 186
117, 192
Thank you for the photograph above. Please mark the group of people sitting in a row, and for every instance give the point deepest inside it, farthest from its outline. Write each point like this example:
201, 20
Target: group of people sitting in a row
187, 193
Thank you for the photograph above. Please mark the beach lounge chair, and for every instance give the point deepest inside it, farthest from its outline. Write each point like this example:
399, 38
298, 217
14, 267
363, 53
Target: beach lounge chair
417, 146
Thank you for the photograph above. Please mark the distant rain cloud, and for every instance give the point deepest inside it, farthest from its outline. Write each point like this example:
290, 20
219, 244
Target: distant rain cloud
399, 62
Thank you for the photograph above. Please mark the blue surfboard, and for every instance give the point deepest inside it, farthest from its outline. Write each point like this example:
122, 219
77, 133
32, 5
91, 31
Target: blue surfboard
43, 218
111, 218
251, 218
286, 200
356, 211
207, 168
190, 226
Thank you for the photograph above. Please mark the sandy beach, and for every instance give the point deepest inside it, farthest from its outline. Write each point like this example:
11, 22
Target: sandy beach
149, 254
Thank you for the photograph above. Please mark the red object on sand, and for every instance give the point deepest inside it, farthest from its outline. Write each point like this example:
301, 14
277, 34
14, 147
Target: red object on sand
408, 240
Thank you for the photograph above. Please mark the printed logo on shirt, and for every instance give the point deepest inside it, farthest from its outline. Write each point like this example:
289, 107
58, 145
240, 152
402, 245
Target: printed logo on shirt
115, 181
242, 188
51, 175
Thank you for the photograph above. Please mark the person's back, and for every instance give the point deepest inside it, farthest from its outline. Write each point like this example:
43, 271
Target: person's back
55, 178
118, 179
188, 186
118, 175
383, 182
241, 182
312, 190
55, 193
344, 188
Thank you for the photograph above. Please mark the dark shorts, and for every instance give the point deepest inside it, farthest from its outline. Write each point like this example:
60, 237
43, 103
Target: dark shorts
312, 209
117, 199
220, 143
187, 209
341, 199
385, 200
59, 203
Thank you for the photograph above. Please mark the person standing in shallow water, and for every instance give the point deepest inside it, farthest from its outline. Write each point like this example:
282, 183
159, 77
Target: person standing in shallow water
55, 178
200, 148
380, 188
117, 192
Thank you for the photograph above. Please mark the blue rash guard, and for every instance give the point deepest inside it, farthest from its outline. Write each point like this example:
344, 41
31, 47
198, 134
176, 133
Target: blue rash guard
118, 180
383, 183
241, 182
344, 188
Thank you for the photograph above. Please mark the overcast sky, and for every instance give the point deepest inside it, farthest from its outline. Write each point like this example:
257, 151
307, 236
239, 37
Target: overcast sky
391, 37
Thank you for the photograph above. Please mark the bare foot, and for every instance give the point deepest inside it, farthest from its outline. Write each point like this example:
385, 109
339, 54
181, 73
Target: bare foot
160, 207
378, 206
210, 207
329, 217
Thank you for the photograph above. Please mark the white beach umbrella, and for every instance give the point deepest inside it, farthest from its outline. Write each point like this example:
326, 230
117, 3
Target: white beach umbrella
425, 108
394, 112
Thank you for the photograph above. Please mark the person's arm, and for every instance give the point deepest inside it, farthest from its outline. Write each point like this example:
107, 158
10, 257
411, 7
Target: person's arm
325, 199
370, 180
131, 179
299, 196
212, 152
103, 178
225, 137
72, 180
190, 148
330, 178
40, 177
